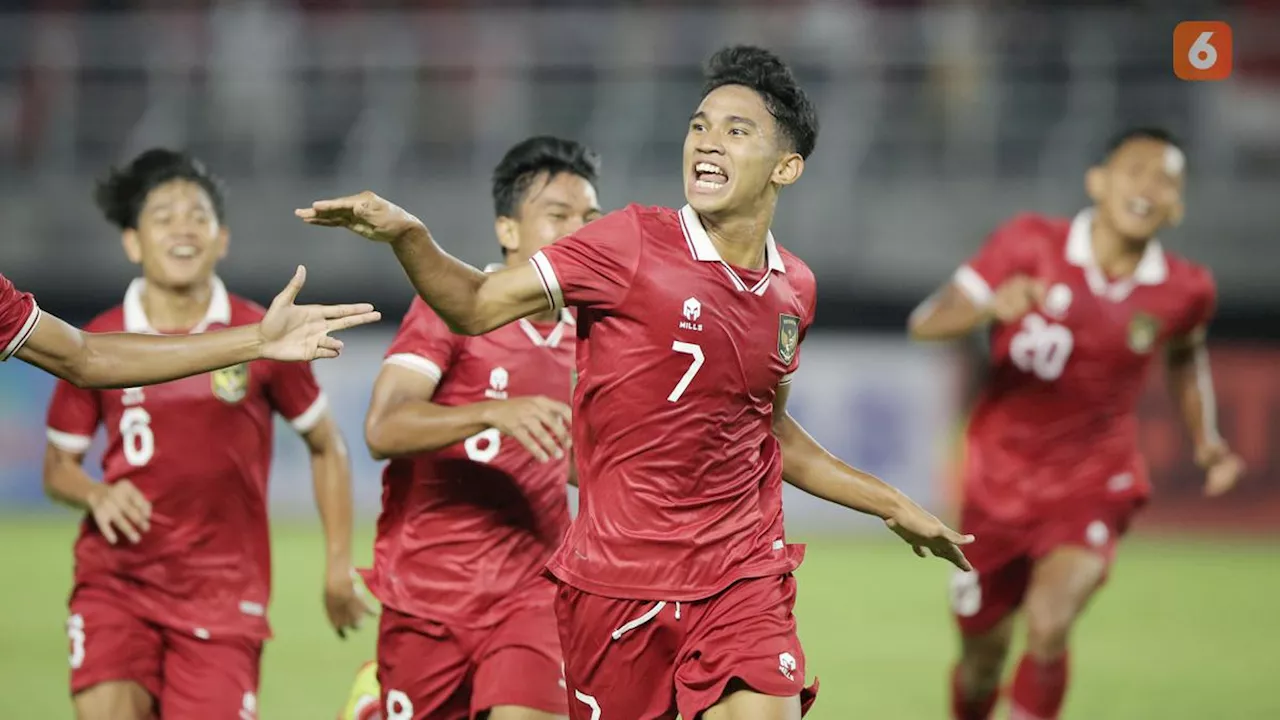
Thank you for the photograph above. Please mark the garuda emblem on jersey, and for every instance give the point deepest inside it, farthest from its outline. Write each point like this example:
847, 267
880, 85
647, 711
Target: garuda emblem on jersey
788, 337
1143, 331
231, 384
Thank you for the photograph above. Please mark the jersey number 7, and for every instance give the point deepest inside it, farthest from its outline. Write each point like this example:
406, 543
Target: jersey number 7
694, 367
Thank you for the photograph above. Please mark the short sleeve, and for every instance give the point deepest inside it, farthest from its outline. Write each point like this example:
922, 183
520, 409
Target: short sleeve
594, 266
1005, 254
18, 317
295, 394
1204, 304
424, 342
805, 323
73, 417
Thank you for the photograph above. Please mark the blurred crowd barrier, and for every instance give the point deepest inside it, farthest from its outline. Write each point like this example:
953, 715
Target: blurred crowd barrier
939, 119
886, 405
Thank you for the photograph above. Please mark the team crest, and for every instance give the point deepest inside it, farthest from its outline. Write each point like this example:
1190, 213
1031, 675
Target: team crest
788, 337
230, 385
1143, 331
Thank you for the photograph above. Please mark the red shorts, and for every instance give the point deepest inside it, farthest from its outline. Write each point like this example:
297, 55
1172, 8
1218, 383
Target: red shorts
1002, 555
632, 659
432, 671
188, 676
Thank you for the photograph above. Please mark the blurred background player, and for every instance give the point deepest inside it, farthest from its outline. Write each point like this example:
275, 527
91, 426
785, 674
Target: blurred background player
676, 587
287, 332
474, 499
172, 576
1077, 309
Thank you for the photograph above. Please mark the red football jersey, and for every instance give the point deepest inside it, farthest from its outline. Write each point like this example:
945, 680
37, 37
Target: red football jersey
466, 529
1057, 420
199, 449
18, 317
680, 356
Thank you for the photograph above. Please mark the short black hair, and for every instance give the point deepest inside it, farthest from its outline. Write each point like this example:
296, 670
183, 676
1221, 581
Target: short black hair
1141, 132
530, 158
766, 73
123, 192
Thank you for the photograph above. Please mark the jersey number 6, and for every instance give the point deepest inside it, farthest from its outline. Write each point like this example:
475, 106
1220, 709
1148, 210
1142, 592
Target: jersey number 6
136, 436
1041, 348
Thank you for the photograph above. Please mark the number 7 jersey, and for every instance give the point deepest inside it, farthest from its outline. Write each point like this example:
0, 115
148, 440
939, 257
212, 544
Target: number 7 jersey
679, 359
1057, 419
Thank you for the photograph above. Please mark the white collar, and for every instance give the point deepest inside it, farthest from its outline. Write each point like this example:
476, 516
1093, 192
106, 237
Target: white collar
552, 339
703, 250
1152, 268
135, 316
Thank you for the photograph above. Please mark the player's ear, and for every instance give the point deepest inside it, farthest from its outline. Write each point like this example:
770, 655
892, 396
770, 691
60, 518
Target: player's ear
788, 169
508, 232
1095, 183
132, 245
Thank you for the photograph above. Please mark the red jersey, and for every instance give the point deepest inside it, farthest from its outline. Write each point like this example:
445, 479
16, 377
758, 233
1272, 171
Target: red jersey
679, 358
18, 317
466, 528
1057, 420
199, 449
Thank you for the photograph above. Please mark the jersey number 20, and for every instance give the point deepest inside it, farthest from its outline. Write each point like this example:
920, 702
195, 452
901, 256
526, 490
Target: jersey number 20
1041, 348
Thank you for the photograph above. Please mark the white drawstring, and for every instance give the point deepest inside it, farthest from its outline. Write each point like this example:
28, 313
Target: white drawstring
628, 627
677, 611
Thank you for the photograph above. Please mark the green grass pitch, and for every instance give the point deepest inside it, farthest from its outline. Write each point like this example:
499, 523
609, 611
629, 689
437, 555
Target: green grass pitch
1185, 630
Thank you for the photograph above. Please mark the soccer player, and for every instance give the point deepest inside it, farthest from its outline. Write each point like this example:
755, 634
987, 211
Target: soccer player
675, 580
287, 332
172, 565
474, 499
1077, 309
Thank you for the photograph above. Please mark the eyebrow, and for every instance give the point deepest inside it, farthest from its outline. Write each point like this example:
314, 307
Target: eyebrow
732, 119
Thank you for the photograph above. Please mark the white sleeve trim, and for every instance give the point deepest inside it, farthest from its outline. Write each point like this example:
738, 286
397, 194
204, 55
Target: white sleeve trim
68, 442
974, 285
311, 417
416, 362
28, 327
550, 283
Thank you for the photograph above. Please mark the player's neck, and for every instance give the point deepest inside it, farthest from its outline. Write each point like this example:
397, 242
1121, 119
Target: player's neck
175, 309
1117, 256
546, 316
740, 239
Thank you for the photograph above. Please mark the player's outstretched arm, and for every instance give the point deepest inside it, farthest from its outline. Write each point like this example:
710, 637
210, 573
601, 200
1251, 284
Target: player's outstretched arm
1191, 385
288, 332
470, 301
402, 420
951, 313
808, 466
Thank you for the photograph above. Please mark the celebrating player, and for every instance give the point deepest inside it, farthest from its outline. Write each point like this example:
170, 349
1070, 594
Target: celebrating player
474, 499
172, 566
286, 332
1053, 475
676, 587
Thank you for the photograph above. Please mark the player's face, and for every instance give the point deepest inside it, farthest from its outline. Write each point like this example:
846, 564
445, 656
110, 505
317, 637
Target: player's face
178, 241
733, 152
1139, 189
551, 209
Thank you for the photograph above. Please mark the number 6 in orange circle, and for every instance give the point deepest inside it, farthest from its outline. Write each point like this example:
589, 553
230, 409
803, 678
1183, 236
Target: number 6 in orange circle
1202, 50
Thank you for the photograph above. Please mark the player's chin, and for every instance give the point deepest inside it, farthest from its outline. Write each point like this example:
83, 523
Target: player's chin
1138, 228
707, 200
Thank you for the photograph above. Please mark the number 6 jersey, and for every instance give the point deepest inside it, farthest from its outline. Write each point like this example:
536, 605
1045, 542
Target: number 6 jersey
1057, 419
199, 449
467, 529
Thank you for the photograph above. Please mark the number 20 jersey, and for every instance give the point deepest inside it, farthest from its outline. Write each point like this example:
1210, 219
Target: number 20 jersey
1057, 422
466, 530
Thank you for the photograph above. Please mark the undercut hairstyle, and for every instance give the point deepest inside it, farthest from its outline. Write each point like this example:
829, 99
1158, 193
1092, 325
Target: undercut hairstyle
530, 159
1150, 132
124, 191
766, 73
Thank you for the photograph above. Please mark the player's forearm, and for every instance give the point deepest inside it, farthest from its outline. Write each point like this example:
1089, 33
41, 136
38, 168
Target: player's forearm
451, 287
128, 360
66, 482
418, 426
946, 315
1191, 386
331, 478
808, 466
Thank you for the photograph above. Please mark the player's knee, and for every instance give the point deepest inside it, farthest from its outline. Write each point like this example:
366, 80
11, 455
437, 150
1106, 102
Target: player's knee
1049, 622
982, 658
113, 701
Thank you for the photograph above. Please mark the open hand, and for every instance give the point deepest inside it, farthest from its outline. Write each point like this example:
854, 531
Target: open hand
924, 532
121, 508
344, 601
364, 214
1222, 467
301, 332
540, 424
